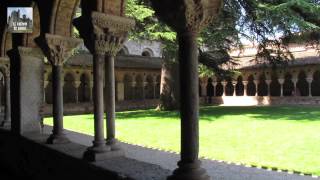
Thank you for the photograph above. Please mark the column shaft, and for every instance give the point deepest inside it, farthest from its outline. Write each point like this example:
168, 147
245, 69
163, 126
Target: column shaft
189, 97
57, 136
110, 99
98, 102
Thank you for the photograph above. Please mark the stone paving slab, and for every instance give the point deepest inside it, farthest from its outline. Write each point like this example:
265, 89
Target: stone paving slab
167, 160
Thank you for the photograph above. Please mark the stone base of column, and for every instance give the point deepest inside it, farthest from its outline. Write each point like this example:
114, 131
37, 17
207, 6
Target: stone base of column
100, 153
114, 144
58, 139
189, 171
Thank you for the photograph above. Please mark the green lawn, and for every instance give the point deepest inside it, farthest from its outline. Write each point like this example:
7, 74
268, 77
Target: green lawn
283, 137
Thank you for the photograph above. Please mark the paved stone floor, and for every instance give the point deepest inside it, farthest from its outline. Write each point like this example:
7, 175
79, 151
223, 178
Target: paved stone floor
217, 170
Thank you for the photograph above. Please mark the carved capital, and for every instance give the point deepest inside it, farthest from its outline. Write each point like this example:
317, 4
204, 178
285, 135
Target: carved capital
110, 32
187, 15
76, 84
60, 48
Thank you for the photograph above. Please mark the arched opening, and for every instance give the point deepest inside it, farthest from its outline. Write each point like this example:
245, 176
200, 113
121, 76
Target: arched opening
229, 87
157, 90
147, 53
239, 87
138, 90
84, 88
149, 89
210, 88
251, 87
262, 86
127, 85
219, 88
302, 85
48, 90
69, 91
315, 85
288, 86
275, 87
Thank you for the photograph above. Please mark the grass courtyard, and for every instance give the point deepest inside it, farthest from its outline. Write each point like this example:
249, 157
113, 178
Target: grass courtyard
282, 137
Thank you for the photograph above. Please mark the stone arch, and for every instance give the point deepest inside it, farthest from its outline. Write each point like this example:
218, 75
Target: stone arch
210, 88
302, 84
69, 91
239, 86
63, 12
288, 86
315, 85
229, 87
84, 88
275, 87
127, 85
124, 51
138, 89
149, 88
262, 86
219, 87
251, 87
147, 52
48, 90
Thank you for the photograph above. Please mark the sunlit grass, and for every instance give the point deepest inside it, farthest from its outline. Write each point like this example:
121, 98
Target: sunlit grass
282, 137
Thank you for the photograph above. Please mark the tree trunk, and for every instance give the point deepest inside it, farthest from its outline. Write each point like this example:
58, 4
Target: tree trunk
169, 88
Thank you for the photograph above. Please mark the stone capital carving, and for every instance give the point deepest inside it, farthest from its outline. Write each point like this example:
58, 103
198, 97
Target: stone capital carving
245, 83
4, 59
110, 32
60, 48
45, 84
30, 52
309, 79
187, 15
76, 84
268, 81
281, 81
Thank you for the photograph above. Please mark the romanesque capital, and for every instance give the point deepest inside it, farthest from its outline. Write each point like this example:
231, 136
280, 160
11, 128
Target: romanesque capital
187, 15
110, 32
60, 48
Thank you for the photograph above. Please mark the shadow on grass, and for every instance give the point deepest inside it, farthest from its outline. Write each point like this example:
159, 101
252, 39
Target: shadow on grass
212, 113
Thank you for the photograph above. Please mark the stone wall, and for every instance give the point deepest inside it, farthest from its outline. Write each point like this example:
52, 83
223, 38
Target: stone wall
30, 158
260, 100
87, 108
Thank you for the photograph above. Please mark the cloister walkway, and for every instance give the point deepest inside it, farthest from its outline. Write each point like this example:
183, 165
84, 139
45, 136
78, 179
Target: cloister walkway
217, 170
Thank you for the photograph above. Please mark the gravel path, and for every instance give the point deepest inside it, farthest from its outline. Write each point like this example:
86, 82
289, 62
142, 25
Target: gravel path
217, 170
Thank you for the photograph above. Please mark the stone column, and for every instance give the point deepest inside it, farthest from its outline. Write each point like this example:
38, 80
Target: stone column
295, 81
76, 85
117, 28
59, 51
120, 89
91, 89
309, 80
154, 89
281, 81
187, 18
245, 88
256, 85
224, 84
214, 88
234, 83
7, 115
268, 81
45, 85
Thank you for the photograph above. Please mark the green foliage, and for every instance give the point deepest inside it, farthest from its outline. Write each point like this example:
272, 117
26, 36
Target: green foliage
261, 21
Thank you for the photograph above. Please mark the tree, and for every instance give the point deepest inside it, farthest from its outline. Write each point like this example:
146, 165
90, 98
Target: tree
261, 21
